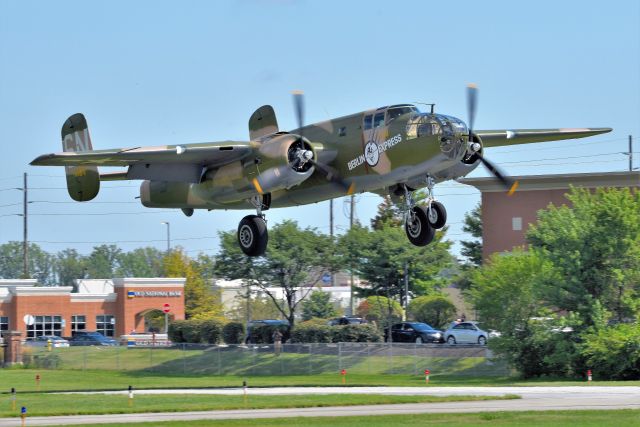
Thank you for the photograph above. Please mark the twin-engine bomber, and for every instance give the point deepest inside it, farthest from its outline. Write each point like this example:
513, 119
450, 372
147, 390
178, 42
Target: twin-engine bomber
392, 150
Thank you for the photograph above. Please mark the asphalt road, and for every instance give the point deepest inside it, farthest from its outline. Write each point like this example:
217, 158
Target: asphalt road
533, 399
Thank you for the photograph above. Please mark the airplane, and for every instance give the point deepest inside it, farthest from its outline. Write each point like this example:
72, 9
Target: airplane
393, 150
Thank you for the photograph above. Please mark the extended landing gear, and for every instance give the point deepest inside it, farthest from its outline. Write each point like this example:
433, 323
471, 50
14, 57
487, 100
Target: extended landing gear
252, 230
421, 222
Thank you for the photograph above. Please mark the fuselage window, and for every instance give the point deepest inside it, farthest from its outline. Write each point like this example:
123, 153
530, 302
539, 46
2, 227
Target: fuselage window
367, 122
342, 131
378, 120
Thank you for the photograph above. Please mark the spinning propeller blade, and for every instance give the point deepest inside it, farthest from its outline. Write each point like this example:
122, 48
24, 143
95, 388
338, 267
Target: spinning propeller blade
472, 101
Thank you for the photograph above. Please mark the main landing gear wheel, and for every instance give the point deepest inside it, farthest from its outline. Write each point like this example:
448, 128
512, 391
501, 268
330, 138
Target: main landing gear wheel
252, 235
437, 215
417, 227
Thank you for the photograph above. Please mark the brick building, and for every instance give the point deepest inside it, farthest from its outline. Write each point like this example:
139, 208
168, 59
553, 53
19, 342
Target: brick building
114, 307
505, 219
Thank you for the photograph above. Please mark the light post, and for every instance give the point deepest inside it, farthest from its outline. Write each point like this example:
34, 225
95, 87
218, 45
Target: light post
168, 235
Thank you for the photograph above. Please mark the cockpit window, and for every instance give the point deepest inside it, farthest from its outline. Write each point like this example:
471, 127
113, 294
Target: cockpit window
368, 121
378, 120
393, 113
423, 125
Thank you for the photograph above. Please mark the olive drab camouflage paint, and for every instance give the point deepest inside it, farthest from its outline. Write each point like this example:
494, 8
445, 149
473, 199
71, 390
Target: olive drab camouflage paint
374, 150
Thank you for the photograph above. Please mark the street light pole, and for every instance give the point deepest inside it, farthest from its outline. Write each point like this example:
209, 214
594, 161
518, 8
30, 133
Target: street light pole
168, 235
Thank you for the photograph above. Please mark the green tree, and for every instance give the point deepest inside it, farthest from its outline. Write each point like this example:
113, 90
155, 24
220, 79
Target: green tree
388, 214
103, 262
141, 262
70, 266
200, 303
594, 246
435, 310
286, 274
40, 263
381, 310
318, 305
380, 257
472, 249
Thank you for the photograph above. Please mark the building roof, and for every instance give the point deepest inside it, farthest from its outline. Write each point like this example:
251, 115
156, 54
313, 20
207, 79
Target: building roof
559, 181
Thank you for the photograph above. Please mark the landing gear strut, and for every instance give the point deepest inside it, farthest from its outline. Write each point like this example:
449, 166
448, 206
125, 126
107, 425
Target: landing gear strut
252, 230
421, 222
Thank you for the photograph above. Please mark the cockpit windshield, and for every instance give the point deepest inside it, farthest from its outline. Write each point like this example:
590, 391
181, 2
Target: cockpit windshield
425, 124
394, 112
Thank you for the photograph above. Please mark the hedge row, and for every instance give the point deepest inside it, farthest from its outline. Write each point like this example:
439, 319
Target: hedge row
213, 332
195, 331
306, 333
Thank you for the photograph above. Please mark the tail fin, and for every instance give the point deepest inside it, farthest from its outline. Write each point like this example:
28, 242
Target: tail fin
83, 182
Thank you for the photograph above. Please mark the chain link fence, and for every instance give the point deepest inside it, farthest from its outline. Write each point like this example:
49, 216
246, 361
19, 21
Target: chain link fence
273, 359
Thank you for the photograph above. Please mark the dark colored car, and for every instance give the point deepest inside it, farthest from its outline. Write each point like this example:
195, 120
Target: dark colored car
346, 320
414, 332
282, 326
92, 338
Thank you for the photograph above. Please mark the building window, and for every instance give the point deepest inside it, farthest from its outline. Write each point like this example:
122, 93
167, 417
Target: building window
45, 325
105, 324
4, 323
78, 323
516, 223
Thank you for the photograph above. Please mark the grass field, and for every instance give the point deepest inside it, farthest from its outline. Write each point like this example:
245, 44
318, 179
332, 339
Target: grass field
23, 380
260, 360
627, 418
40, 404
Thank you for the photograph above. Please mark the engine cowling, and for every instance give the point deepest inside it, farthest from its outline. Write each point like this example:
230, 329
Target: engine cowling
282, 161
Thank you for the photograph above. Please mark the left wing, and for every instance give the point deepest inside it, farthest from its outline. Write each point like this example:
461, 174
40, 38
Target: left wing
499, 138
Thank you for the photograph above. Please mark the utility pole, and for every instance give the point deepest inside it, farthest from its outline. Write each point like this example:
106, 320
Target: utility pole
406, 288
352, 205
333, 276
25, 243
630, 154
168, 235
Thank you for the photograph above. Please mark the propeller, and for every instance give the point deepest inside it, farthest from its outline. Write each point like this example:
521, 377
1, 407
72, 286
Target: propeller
472, 101
330, 173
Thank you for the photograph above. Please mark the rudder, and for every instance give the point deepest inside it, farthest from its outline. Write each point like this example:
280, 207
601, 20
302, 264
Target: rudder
83, 182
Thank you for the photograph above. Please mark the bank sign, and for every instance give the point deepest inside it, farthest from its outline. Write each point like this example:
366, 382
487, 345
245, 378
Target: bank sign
138, 294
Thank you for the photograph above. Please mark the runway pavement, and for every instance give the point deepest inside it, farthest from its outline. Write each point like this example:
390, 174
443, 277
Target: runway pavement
533, 399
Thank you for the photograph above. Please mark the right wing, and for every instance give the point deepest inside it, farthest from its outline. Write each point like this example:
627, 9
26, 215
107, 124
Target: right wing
499, 138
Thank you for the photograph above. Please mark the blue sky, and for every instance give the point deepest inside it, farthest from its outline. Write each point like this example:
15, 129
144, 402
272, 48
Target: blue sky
153, 72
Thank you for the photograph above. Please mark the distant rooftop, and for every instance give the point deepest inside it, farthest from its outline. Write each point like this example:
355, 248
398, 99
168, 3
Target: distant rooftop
559, 181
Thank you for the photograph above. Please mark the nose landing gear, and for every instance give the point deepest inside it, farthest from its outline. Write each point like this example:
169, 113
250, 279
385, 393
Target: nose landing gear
252, 230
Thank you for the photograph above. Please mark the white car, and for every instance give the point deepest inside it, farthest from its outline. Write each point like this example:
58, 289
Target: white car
43, 341
466, 333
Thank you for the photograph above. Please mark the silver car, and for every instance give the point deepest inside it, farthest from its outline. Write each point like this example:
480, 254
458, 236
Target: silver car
466, 333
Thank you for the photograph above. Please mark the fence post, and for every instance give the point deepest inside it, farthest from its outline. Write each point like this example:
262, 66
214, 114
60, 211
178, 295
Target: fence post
184, 358
368, 358
117, 357
219, 362
415, 359
390, 367
84, 359
339, 356
310, 359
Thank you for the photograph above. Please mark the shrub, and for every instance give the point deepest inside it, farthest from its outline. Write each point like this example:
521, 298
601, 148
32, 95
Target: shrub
613, 352
175, 331
436, 310
355, 333
381, 310
314, 330
233, 333
210, 331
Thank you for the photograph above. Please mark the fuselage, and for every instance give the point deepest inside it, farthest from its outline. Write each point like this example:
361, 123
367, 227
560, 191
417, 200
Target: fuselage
374, 150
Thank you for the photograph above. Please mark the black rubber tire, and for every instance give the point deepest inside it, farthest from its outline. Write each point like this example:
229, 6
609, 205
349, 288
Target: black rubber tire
482, 340
419, 340
451, 340
419, 232
252, 235
438, 217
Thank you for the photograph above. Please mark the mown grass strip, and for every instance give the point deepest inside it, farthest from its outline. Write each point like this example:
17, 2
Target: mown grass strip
42, 404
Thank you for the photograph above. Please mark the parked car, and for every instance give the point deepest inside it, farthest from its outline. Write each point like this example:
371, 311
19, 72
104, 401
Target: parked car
43, 341
346, 320
91, 338
281, 324
466, 332
414, 332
